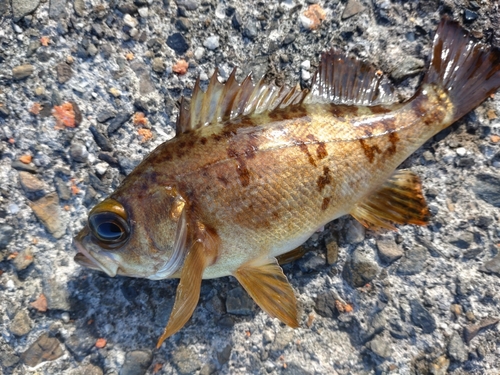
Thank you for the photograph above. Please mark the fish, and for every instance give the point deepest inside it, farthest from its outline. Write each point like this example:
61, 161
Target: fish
255, 169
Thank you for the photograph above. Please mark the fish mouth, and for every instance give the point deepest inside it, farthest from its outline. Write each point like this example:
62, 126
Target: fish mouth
85, 259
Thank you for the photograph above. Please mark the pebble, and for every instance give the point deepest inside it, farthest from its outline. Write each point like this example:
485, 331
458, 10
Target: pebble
6, 235
473, 330
7, 355
352, 8
65, 317
408, 67
100, 139
183, 24
62, 189
224, 355
130, 21
388, 250
80, 345
47, 210
464, 240
105, 115
57, 9
21, 324
421, 317
380, 345
325, 304
198, 53
45, 348
23, 259
178, 43
212, 42
238, 302
143, 12
354, 232
359, 270
101, 168
305, 75
440, 366
250, 29
22, 71
57, 295
121, 118
158, 64
486, 188
86, 370
31, 185
21, 8
493, 265
64, 72
457, 350
79, 7
413, 261
78, 152
332, 251
470, 16
137, 362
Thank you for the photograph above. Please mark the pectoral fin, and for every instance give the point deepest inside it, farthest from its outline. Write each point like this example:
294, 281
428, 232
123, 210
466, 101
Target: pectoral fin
266, 283
399, 200
202, 254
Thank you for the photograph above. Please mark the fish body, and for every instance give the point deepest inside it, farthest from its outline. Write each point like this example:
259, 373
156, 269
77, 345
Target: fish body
257, 169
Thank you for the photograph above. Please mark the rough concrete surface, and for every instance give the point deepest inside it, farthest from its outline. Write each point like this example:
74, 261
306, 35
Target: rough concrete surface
429, 297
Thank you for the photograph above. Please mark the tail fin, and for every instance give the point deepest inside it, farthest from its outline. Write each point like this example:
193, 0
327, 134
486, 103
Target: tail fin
468, 70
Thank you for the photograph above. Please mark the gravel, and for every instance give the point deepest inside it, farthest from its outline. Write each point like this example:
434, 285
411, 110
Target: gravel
414, 301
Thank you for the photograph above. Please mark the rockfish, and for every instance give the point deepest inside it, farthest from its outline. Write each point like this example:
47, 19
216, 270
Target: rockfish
256, 169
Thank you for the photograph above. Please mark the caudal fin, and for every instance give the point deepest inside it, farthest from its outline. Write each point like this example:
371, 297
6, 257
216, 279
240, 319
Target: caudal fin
467, 70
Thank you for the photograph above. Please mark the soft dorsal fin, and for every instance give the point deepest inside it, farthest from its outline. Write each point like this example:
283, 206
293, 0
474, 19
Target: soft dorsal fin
343, 79
266, 283
222, 102
399, 200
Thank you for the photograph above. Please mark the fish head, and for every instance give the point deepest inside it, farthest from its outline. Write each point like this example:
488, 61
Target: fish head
137, 236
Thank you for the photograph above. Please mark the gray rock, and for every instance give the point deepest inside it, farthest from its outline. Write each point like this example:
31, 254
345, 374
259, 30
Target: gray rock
464, 240
487, 187
224, 355
325, 304
457, 350
86, 370
137, 362
145, 85
359, 269
283, 338
188, 4
57, 9
57, 295
47, 210
388, 250
32, 186
21, 8
80, 345
493, 265
64, 72
79, 7
101, 140
421, 317
186, 360
78, 152
22, 71
21, 323
473, 330
352, 8
20, 166
178, 43
105, 115
413, 261
408, 67
62, 188
268, 337
7, 355
158, 64
380, 345
45, 348
354, 232
121, 118
238, 302
183, 24
208, 369
23, 259
6, 235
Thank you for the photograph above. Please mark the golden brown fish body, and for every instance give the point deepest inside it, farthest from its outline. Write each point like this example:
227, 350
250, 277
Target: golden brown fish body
255, 170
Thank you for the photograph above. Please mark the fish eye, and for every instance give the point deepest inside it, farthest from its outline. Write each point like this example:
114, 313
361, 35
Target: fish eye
108, 223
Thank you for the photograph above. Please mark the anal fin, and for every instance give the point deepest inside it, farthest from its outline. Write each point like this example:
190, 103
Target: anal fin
203, 253
266, 283
398, 201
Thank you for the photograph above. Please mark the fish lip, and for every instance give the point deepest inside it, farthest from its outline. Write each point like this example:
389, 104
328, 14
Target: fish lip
84, 258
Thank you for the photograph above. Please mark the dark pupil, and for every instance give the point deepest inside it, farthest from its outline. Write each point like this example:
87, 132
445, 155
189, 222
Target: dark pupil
109, 231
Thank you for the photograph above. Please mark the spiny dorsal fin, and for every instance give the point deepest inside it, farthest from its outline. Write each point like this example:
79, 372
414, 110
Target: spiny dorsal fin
266, 283
399, 200
222, 102
343, 79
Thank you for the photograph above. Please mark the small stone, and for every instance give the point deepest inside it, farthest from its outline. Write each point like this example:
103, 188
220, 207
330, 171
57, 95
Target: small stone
198, 53
80, 345
354, 232
7, 355
359, 270
31, 185
4, 111
408, 67
305, 75
21, 8
23, 259
186, 360
100, 139
388, 250
183, 24
105, 115
158, 65
380, 345
21, 323
352, 8
115, 92
6, 235
47, 210
145, 85
464, 240
62, 189
267, 337
421, 317
22, 71
332, 252
325, 304
238, 302
64, 72
56, 294
143, 12
457, 350
45, 348
250, 29
86, 370
456, 309
92, 50
486, 188
130, 21
224, 355
78, 152
57, 9
137, 362
493, 265
413, 261
120, 119
440, 366
178, 43
470, 16
79, 7
236, 21
212, 42
473, 330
